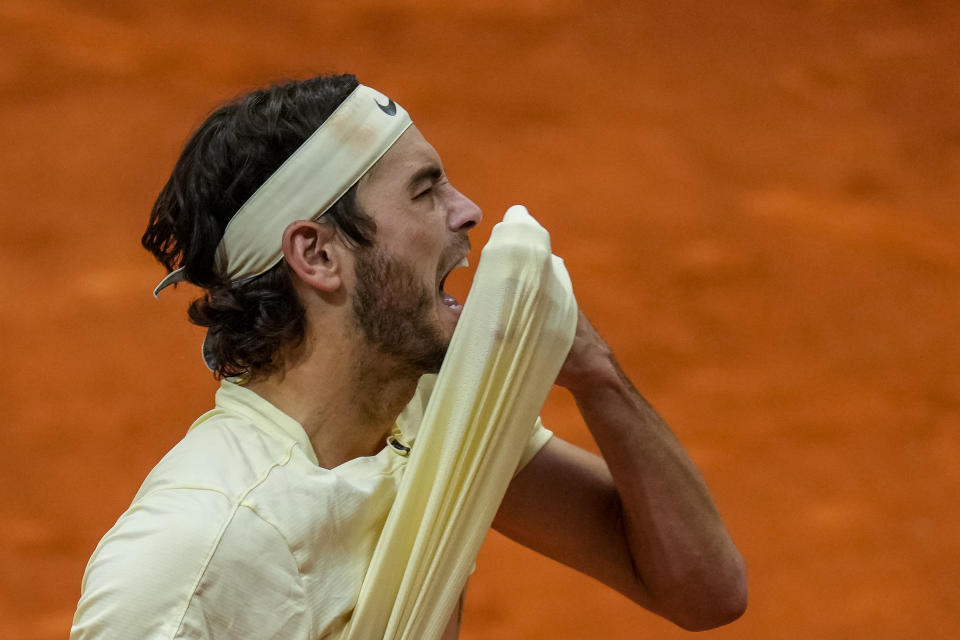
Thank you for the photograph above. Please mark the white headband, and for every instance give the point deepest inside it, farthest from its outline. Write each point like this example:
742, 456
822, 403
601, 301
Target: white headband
308, 183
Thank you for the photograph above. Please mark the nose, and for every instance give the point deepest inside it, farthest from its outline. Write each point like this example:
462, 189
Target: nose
463, 214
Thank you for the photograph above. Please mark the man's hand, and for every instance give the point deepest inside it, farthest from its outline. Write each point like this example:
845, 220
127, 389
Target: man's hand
589, 359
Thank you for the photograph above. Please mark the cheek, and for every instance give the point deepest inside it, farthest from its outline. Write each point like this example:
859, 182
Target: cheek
411, 231
348, 272
420, 247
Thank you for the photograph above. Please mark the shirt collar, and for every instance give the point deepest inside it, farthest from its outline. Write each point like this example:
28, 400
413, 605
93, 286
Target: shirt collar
236, 398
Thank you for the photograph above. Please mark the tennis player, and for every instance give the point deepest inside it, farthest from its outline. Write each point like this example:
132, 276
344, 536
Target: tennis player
321, 227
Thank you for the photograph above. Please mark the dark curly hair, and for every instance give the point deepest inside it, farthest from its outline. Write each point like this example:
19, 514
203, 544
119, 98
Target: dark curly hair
229, 156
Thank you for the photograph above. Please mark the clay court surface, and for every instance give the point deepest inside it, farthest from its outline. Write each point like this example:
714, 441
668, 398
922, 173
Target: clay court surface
758, 204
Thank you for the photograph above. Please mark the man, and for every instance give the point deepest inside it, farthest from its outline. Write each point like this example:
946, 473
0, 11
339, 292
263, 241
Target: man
322, 227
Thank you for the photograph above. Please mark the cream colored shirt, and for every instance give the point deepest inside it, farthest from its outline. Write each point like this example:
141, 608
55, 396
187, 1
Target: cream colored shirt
239, 533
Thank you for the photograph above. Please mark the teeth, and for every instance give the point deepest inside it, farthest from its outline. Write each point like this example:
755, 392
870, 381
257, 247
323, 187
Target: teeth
450, 301
463, 263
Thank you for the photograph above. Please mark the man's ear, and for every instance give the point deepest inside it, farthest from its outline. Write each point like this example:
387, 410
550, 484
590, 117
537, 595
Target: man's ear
315, 254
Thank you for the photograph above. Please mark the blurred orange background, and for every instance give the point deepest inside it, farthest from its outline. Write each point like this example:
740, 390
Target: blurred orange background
757, 202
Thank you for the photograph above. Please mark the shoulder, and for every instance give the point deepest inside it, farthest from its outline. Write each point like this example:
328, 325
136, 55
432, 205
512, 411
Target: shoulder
225, 453
184, 561
142, 574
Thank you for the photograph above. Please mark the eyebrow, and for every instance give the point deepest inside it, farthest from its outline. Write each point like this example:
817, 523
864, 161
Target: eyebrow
429, 172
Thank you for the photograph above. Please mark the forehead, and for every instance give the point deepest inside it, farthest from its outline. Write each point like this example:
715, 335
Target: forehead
408, 155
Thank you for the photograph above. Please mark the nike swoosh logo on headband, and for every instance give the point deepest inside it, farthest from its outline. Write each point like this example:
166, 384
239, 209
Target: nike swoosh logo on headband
390, 108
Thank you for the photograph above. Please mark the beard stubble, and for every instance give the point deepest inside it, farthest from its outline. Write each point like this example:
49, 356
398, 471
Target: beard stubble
393, 310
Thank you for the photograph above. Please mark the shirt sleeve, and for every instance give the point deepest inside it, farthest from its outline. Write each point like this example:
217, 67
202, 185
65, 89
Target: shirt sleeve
409, 421
540, 436
186, 563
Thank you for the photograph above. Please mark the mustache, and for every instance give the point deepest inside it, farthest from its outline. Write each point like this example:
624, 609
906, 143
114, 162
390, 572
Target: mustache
458, 248
462, 244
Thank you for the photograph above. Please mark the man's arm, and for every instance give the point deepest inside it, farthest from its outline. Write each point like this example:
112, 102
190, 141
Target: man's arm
640, 519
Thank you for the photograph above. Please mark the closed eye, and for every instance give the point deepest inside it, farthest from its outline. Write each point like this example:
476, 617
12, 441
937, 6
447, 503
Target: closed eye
423, 181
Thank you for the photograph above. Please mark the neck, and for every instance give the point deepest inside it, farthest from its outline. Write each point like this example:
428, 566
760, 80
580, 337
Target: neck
345, 395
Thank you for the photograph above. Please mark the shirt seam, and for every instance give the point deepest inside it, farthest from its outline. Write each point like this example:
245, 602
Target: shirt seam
205, 565
293, 556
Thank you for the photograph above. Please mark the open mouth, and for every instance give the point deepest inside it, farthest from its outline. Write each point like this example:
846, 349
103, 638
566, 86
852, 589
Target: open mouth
447, 299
